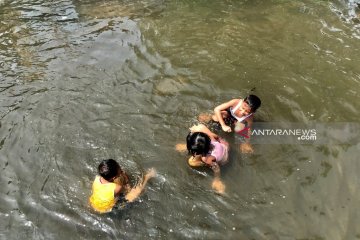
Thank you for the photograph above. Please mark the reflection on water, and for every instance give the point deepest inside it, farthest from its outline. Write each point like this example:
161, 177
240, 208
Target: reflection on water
86, 80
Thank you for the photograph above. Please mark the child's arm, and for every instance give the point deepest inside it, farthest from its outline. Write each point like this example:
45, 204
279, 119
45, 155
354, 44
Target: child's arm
123, 181
216, 169
117, 190
136, 191
218, 114
125, 177
209, 160
202, 128
217, 184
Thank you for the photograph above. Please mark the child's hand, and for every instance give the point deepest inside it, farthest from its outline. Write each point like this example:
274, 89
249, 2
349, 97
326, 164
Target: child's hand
150, 173
246, 148
226, 128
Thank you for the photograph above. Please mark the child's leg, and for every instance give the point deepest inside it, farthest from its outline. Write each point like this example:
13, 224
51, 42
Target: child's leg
239, 126
181, 147
207, 117
246, 148
204, 117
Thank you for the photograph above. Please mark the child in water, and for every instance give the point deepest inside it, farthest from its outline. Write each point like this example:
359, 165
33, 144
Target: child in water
110, 183
207, 149
236, 114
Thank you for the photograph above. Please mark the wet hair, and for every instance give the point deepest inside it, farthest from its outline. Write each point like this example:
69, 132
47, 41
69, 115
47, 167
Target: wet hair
108, 169
198, 143
253, 101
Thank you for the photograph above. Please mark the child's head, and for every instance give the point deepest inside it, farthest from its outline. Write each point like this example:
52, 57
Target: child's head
198, 143
109, 169
253, 101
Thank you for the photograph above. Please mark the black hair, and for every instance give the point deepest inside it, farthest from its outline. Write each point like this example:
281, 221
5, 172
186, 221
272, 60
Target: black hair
198, 143
109, 169
253, 101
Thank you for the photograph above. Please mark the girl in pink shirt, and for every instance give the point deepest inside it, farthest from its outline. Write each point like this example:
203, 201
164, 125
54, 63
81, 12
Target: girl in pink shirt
207, 149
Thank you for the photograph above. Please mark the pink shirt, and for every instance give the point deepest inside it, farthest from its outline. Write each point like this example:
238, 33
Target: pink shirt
220, 151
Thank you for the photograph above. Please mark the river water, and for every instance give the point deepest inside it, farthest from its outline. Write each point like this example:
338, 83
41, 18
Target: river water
86, 80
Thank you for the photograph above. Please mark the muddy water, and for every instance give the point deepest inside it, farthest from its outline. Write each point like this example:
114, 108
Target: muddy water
86, 80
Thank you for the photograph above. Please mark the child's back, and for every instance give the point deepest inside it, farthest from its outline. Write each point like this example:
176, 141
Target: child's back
104, 189
103, 197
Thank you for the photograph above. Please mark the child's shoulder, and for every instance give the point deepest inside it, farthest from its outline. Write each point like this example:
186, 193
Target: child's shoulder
235, 101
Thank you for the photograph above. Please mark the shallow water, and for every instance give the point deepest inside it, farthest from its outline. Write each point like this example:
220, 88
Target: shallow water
81, 81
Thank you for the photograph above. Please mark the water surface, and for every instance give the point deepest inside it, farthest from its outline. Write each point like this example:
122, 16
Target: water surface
86, 80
